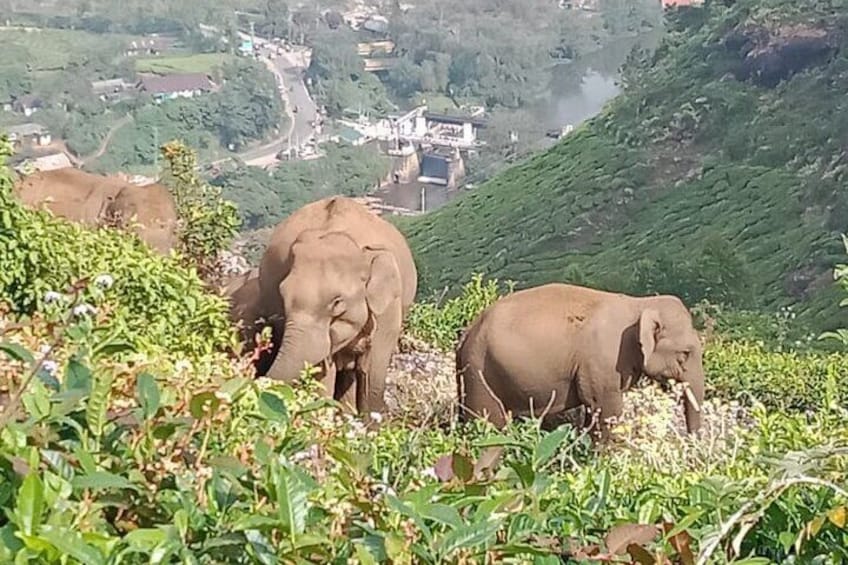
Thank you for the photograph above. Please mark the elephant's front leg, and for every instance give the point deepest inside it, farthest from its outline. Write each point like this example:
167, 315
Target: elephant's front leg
374, 363
603, 400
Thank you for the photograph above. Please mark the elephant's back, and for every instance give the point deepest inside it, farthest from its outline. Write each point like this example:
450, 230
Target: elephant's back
69, 193
340, 213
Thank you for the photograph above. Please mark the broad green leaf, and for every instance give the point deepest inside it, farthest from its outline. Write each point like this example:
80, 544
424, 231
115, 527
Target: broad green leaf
102, 480
467, 537
17, 352
10, 544
258, 545
548, 445
77, 376
256, 522
71, 543
147, 392
363, 555
291, 501
98, 403
145, 538
111, 348
272, 407
442, 513
462, 467
30, 504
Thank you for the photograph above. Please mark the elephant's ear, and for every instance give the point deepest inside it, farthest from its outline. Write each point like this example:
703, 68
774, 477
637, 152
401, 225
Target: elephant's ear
383, 286
649, 328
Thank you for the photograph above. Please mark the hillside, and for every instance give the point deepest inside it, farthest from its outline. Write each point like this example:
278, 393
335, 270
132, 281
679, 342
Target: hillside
716, 174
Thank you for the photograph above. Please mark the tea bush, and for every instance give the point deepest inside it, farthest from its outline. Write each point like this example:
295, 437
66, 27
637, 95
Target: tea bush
157, 303
190, 461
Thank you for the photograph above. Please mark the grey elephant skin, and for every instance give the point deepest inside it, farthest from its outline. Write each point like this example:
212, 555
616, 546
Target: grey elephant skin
97, 200
336, 282
545, 350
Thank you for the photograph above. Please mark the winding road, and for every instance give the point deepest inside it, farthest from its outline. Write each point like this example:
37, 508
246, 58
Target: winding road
289, 68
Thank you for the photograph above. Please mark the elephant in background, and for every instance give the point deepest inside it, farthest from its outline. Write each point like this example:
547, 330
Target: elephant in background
97, 200
548, 349
337, 281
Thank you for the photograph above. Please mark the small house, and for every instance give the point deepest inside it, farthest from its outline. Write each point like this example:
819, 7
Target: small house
46, 163
29, 135
28, 104
168, 87
111, 89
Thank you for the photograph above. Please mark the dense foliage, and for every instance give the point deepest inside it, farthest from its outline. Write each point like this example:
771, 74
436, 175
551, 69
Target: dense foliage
193, 461
208, 223
246, 108
696, 180
265, 198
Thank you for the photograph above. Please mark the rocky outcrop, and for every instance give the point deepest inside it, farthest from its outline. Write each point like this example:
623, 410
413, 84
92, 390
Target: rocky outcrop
770, 56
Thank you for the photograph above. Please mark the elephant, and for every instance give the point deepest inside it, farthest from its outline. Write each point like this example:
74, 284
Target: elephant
242, 293
546, 350
336, 281
97, 200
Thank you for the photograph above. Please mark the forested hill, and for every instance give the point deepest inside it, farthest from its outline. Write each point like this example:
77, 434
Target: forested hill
719, 173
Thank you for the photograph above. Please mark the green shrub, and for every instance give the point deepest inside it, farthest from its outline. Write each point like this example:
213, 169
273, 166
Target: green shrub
156, 303
208, 223
202, 465
780, 380
440, 323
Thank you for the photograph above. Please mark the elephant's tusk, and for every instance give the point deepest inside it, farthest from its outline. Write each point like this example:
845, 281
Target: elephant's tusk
690, 396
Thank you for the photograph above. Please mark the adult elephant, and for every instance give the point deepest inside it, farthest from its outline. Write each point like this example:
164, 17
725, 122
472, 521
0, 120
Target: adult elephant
548, 349
96, 200
336, 281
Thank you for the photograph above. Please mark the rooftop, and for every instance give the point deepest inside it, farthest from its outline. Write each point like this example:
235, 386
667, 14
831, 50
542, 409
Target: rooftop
176, 83
26, 130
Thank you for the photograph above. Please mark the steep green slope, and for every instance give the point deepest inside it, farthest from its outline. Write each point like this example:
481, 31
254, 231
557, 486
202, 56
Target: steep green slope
718, 174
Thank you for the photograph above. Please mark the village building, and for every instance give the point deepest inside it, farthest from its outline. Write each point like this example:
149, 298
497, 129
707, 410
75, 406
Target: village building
28, 104
46, 163
29, 135
112, 89
168, 87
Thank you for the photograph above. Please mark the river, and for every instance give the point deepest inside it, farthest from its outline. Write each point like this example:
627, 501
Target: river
578, 90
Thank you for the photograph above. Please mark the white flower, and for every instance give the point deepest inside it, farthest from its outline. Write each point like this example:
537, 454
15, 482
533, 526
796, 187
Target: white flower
52, 296
50, 367
104, 281
84, 310
429, 472
377, 417
182, 365
44, 349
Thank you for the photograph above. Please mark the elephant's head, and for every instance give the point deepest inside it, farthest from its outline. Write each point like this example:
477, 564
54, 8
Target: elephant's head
331, 296
671, 349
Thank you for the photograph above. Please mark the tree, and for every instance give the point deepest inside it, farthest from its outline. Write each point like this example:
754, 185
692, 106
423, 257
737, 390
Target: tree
248, 106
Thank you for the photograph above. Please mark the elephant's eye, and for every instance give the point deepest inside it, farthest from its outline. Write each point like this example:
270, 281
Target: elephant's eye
337, 306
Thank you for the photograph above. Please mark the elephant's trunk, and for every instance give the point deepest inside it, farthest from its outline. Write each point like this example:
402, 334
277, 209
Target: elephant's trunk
299, 349
693, 400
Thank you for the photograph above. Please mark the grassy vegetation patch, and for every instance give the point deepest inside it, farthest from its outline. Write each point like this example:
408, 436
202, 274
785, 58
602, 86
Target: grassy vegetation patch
197, 63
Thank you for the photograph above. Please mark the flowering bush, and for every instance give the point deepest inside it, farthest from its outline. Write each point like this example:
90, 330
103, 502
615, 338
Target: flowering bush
156, 302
